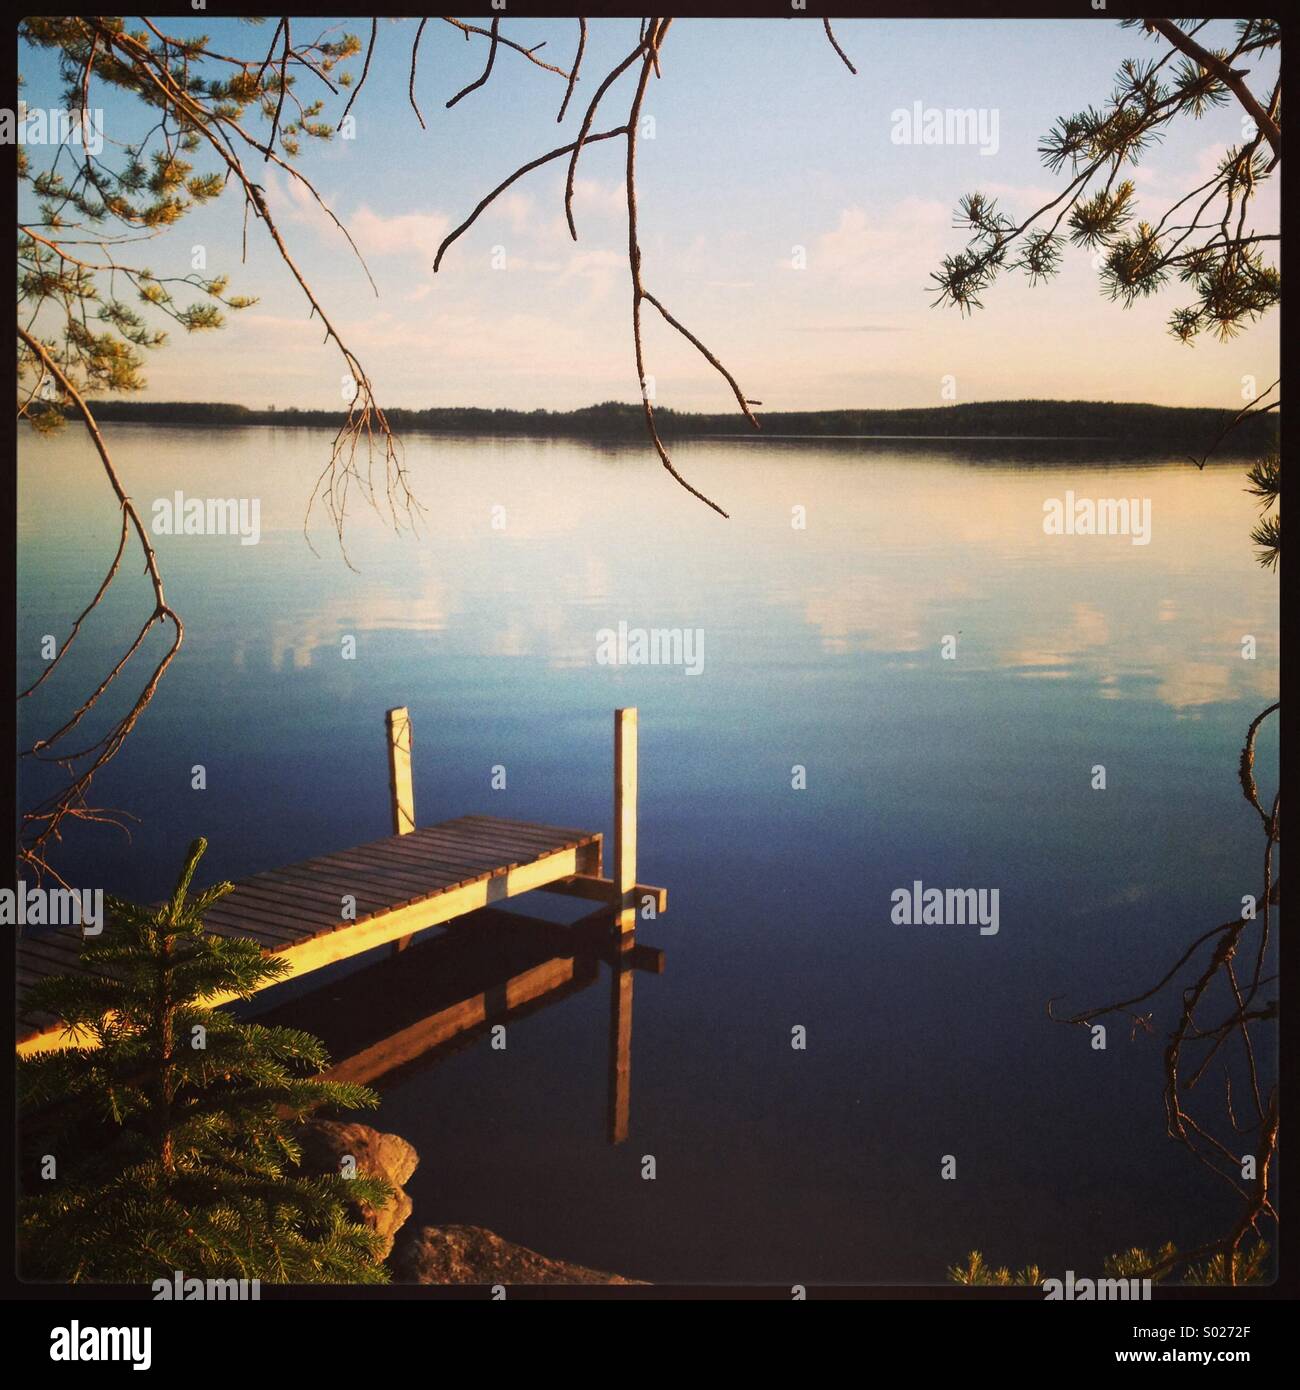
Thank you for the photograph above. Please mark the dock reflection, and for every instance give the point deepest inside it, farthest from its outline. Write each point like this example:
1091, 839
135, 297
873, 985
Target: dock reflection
409, 1010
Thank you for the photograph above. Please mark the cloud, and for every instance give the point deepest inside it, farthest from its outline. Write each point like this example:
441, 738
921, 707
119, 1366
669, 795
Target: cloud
405, 234
886, 247
593, 196
402, 234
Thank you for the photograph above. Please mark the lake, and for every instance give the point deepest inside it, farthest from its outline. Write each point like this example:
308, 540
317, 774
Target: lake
818, 647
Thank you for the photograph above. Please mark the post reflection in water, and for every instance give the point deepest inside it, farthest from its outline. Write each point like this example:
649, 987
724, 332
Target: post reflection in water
386, 1021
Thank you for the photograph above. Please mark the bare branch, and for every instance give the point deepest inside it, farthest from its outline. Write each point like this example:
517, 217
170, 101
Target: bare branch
573, 75
47, 818
365, 70
655, 32
284, 87
487, 70
844, 57
741, 399
523, 169
529, 53
415, 49
1261, 405
588, 118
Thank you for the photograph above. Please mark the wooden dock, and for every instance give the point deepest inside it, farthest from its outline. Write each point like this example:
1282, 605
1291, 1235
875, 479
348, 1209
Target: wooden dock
327, 909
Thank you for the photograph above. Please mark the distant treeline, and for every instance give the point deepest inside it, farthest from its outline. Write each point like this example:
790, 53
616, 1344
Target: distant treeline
1122, 423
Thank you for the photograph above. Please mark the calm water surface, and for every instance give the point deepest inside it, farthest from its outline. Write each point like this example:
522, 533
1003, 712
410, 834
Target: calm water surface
822, 650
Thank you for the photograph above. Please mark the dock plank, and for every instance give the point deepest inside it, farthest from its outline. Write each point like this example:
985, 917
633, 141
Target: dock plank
437, 861
469, 861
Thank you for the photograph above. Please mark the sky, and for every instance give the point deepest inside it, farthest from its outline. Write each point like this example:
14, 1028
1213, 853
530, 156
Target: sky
781, 222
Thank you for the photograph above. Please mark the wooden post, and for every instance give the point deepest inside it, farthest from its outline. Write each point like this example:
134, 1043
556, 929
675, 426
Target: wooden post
625, 818
619, 1092
399, 770
399, 785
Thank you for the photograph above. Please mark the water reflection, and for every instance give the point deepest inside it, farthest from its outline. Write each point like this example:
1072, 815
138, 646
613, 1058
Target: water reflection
407, 1010
524, 555
822, 652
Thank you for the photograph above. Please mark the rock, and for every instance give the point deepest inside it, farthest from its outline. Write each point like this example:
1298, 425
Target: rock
326, 1143
472, 1255
431, 1254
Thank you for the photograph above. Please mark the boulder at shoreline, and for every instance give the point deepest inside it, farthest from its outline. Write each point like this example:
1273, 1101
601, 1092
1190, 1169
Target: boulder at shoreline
473, 1255
326, 1143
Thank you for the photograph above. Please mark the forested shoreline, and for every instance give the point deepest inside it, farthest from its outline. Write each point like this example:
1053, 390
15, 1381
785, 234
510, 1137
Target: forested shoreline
1122, 423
